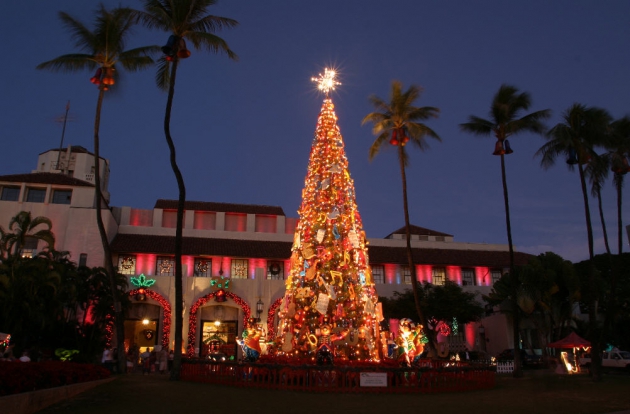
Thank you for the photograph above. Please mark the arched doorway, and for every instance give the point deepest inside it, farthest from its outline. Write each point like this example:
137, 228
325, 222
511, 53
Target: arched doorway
194, 311
142, 324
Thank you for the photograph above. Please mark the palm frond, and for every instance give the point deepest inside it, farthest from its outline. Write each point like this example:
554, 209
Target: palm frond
477, 126
378, 143
163, 74
212, 24
83, 38
211, 43
70, 63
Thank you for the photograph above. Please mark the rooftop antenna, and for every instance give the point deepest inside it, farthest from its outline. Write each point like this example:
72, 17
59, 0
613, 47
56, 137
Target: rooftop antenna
63, 132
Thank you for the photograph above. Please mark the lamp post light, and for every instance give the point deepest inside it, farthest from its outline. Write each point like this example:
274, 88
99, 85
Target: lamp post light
259, 309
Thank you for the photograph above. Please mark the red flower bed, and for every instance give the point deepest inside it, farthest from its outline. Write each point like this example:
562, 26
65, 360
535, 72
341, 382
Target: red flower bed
17, 377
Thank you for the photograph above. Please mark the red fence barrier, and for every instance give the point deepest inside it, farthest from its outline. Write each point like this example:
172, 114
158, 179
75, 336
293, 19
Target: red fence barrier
431, 377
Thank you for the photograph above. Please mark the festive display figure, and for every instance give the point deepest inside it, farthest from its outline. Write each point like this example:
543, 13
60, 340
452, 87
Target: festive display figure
330, 308
409, 342
251, 342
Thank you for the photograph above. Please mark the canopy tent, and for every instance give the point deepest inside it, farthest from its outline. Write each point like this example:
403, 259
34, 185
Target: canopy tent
571, 341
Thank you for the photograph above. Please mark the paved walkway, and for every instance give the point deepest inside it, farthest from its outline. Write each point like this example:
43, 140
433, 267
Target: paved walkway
538, 392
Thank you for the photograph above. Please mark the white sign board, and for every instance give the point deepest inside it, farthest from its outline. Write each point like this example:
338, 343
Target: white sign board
373, 379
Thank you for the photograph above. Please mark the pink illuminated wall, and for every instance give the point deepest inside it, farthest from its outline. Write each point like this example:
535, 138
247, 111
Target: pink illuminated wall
139, 217
454, 274
482, 274
205, 220
290, 224
265, 224
169, 219
188, 264
257, 264
470, 333
145, 264
390, 274
424, 273
235, 222
224, 263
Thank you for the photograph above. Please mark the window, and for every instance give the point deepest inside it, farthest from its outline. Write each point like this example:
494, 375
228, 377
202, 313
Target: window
61, 196
35, 195
439, 238
169, 219
378, 274
203, 268
406, 272
275, 270
83, 259
438, 276
468, 277
127, 265
165, 266
239, 269
204, 220
10, 194
495, 275
265, 224
235, 222
29, 247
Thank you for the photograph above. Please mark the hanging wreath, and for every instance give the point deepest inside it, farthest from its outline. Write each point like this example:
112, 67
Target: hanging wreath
148, 334
274, 269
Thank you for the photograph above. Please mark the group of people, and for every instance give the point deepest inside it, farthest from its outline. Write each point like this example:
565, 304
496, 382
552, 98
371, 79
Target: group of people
7, 355
159, 359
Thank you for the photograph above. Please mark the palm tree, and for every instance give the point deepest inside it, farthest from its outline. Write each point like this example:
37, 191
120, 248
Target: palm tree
618, 146
103, 49
582, 129
505, 121
22, 227
597, 172
400, 120
185, 20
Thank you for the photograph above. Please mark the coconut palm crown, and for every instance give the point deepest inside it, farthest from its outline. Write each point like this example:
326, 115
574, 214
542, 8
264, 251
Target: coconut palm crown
103, 47
21, 227
184, 20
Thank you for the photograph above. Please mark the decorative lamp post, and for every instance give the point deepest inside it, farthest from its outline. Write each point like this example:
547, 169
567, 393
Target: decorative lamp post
259, 309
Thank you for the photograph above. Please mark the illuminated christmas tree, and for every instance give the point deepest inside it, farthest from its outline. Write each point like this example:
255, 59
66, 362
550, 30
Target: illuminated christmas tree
330, 310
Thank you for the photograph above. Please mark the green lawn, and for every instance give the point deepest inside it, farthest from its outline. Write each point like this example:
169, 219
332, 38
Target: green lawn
539, 391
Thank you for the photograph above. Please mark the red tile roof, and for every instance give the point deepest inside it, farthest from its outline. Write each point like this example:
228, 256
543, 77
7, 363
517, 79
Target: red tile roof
221, 207
45, 178
420, 231
194, 246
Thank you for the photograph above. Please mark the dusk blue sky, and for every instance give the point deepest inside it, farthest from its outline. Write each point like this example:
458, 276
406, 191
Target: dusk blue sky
243, 130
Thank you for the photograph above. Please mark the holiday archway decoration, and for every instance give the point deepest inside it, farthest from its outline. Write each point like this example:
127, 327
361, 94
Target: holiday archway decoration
271, 326
166, 306
192, 318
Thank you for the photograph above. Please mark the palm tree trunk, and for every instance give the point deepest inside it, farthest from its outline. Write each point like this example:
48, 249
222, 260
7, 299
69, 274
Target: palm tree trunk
596, 360
179, 308
601, 218
619, 186
412, 267
109, 266
518, 370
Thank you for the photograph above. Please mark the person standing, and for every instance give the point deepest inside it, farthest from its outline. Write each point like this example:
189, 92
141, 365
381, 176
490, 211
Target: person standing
107, 360
163, 360
145, 357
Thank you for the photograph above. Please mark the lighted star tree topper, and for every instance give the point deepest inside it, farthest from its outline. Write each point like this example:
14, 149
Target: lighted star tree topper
330, 311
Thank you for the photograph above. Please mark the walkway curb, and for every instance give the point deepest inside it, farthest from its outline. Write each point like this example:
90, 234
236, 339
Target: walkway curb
31, 402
